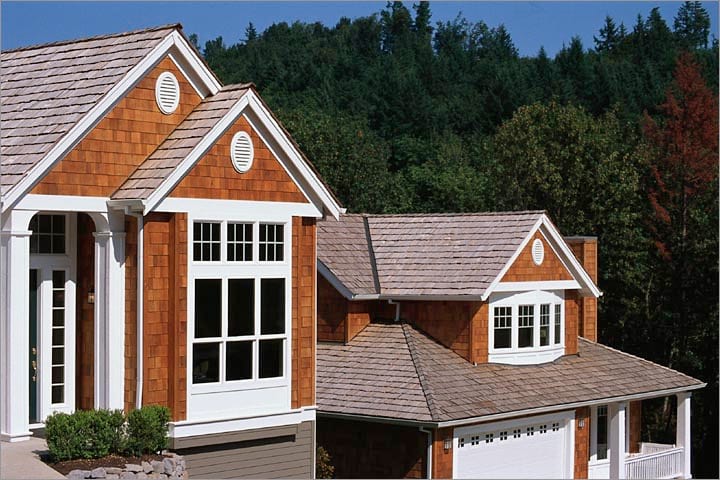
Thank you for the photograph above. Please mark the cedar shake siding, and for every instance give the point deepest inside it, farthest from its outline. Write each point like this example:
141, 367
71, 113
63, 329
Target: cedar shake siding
331, 311
525, 270
122, 140
585, 250
303, 312
373, 450
84, 371
447, 322
275, 452
582, 442
442, 464
214, 176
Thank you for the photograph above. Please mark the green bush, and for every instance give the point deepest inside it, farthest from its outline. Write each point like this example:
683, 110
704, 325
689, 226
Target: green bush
147, 429
97, 433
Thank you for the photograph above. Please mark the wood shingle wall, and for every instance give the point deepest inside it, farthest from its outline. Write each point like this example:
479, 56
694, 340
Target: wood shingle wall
525, 270
122, 140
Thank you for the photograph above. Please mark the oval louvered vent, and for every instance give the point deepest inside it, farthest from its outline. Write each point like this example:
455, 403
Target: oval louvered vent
167, 92
538, 251
241, 152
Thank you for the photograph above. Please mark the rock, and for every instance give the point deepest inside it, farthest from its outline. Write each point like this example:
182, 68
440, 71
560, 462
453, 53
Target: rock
76, 475
132, 468
141, 476
157, 466
128, 476
113, 471
98, 473
174, 476
168, 465
112, 476
157, 476
147, 468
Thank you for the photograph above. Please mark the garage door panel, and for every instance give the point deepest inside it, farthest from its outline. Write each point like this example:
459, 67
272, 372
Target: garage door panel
536, 448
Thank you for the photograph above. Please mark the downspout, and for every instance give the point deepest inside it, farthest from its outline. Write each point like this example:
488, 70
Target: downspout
397, 309
429, 449
139, 314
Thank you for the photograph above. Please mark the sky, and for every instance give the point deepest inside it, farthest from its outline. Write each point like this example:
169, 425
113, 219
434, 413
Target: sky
531, 24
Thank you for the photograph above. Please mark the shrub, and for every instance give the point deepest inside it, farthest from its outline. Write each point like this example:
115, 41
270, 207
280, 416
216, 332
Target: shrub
84, 434
323, 467
148, 429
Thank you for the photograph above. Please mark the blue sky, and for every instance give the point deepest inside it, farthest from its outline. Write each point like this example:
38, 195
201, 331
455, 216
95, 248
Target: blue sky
531, 24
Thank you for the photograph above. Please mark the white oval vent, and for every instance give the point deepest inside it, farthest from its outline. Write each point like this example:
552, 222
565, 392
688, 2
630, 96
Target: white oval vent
538, 251
167, 92
241, 152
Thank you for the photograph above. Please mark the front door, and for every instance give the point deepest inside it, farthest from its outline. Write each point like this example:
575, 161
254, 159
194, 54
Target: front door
52, 316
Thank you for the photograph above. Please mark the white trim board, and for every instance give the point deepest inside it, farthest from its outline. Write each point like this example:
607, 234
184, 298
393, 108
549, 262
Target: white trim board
63, 203
189, 428
175, 42
224, 209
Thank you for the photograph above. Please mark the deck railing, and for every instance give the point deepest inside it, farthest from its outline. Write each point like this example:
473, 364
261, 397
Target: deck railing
662, 463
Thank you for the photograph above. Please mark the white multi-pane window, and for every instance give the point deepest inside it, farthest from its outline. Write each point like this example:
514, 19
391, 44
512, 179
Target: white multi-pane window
271, 242
544, 324
503, 327
57, 358
240, 304
526, 327
48, 234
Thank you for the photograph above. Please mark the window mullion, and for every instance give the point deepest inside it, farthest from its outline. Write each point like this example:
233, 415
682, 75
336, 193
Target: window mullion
515, 323
256, 342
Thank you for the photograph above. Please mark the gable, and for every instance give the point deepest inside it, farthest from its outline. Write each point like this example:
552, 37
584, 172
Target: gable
213, 176
524, 269
121, 141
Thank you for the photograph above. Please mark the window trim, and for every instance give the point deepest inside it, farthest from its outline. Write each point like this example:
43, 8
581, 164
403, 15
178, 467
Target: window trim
225, 270
536, 353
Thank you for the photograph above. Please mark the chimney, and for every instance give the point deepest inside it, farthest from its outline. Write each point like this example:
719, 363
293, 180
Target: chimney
585, 250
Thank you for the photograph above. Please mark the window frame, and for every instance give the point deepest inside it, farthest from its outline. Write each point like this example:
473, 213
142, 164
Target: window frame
536, 353
226, 270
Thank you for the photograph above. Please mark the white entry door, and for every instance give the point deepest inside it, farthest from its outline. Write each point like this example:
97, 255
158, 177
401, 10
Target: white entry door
52, 317
532, 447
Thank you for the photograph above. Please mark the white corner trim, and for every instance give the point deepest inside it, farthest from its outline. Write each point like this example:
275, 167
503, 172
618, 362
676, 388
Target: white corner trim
63, 203
334, 281
109, 100
190, 428
565, 255
525, 286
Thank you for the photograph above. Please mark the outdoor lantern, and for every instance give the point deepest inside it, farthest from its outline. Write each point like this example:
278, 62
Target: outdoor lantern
447, 444
581, 423
91, 296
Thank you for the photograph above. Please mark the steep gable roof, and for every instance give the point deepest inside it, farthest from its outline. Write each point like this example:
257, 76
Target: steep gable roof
53, 94
366, 376
429, 255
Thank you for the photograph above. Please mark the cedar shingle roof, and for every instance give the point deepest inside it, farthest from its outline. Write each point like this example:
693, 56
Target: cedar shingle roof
451, 254
46, 89
168, 156
396, 371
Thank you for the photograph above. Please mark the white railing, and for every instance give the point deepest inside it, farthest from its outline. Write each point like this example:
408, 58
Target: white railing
665, 463
647, 447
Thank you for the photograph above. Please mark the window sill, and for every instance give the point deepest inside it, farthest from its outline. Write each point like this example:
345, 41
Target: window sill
529, 356
238, 385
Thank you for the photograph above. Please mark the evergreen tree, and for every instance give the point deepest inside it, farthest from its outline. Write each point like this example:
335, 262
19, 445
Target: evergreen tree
692, 25
610, 37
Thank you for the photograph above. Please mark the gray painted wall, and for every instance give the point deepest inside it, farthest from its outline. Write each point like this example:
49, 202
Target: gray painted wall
279, 452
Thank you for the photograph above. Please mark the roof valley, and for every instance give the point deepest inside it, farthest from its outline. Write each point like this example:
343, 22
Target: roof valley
371, 253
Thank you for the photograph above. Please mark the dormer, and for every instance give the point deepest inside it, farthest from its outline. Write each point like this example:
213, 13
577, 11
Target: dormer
499, 287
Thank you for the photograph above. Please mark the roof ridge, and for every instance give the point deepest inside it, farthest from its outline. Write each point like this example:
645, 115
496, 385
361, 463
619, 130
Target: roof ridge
639, 358
451, 214
95, 37
237, 86
424, 384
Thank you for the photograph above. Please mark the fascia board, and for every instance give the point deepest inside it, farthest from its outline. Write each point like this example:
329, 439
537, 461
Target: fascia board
334, 281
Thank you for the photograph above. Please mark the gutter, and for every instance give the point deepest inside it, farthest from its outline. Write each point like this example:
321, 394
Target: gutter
513, 414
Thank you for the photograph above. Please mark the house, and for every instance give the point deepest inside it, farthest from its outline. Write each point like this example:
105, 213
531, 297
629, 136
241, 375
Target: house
465, 346
158, 247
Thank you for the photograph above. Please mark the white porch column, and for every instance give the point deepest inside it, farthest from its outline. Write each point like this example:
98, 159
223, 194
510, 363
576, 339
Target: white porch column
617, 453
14, 326
682, 431
109, 311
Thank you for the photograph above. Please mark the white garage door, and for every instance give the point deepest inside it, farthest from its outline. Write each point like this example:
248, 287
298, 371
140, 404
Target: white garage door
532, 447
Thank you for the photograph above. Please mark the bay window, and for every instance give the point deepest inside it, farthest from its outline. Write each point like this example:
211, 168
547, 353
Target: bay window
526, 327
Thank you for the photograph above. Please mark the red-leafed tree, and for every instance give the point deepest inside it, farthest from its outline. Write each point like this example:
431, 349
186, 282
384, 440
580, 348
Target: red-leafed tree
685, 163
683, 194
